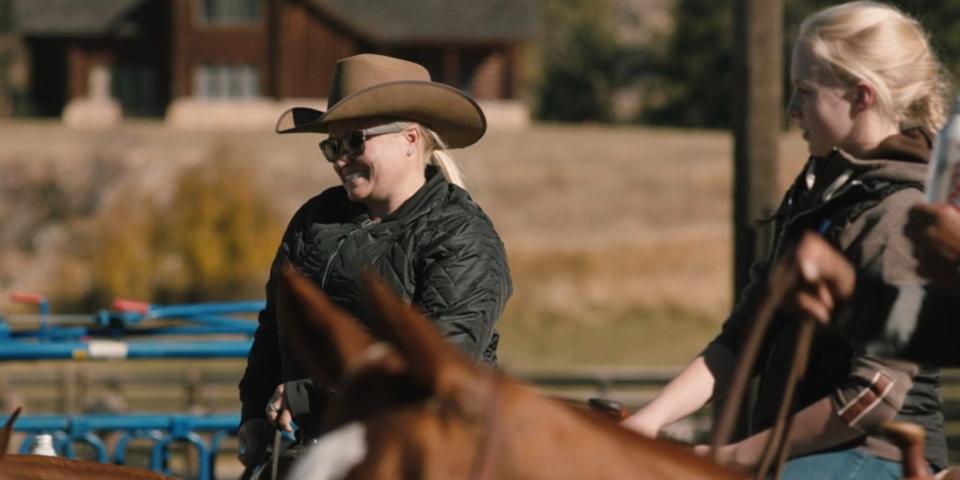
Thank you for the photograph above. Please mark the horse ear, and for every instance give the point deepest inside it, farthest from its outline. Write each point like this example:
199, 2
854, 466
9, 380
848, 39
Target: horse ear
7, 431
325, 338
431, 359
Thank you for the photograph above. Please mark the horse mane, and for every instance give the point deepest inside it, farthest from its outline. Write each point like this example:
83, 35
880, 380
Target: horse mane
7, 431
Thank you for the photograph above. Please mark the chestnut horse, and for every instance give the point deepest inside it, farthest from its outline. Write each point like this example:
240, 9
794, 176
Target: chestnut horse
30, 467
413, 407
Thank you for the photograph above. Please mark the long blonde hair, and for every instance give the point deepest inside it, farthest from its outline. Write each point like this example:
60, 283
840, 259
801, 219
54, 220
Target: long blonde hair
436, 152
878, 44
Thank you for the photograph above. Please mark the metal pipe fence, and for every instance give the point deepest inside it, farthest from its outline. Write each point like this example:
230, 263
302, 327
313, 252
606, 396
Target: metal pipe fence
214, 390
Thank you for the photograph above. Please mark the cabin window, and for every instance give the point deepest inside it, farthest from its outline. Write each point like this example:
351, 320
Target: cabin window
226, 81
230, 11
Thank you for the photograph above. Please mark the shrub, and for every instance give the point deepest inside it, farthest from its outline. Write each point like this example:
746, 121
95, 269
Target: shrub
213, 241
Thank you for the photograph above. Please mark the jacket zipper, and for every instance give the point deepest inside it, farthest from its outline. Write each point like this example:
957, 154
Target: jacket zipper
789, 223
326, 270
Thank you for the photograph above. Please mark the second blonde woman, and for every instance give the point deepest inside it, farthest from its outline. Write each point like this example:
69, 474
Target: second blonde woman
867, 93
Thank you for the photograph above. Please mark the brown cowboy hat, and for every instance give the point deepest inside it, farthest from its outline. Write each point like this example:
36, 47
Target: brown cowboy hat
370, 85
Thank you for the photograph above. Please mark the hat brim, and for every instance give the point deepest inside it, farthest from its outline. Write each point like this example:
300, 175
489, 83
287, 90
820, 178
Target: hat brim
452, 114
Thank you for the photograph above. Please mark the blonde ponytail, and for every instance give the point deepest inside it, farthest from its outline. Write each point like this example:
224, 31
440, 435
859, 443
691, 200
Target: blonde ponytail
438, 155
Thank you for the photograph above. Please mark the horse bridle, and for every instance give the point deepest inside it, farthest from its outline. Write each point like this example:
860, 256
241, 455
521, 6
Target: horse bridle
483, 460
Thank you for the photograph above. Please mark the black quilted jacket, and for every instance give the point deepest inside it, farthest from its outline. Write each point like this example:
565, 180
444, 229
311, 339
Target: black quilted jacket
438, 251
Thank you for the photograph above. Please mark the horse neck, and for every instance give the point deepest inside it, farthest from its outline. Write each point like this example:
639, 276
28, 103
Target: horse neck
546, 439
29, 467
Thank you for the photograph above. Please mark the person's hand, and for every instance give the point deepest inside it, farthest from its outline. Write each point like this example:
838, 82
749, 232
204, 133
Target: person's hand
818, 278
934, 229
278, 410
253, 438
729, 456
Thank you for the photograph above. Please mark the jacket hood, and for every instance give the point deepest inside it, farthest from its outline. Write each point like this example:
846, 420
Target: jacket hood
898, 158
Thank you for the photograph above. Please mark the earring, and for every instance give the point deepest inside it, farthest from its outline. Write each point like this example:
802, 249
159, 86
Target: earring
409, 152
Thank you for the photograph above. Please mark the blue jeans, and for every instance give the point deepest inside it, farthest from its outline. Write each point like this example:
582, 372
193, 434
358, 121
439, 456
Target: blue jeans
841, 465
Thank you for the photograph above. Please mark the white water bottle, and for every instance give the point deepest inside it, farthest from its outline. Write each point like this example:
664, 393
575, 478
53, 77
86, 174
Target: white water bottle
43, 445
943, 176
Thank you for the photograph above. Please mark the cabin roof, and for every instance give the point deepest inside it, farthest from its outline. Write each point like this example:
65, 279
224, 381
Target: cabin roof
409, 21
391, 22
70, 17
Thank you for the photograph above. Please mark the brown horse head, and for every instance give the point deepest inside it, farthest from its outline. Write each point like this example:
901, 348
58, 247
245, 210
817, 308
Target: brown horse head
415, 407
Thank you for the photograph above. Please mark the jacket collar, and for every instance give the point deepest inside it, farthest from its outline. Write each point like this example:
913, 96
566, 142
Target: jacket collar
423, 200
898, 158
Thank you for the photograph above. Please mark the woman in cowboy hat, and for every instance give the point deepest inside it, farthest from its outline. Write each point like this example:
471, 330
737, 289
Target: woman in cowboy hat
400, 211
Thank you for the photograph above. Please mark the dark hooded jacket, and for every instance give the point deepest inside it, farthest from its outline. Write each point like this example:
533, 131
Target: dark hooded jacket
860, 205
909, 320
438, 250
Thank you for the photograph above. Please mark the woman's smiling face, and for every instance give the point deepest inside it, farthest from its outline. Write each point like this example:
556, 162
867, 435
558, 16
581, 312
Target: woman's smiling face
373, 176
820, 103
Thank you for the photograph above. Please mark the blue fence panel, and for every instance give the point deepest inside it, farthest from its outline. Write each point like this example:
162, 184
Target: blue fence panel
103, 337
163, 430
111, 349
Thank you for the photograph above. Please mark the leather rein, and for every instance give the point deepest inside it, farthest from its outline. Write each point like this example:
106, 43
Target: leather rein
776, 451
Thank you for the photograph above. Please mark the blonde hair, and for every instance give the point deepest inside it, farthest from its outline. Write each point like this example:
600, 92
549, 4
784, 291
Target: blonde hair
437, 153
880, 45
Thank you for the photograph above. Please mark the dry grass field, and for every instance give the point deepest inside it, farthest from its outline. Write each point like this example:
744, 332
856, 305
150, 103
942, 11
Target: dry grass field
618, 237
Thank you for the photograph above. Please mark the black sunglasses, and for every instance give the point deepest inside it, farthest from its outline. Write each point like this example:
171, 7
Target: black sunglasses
353, 142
